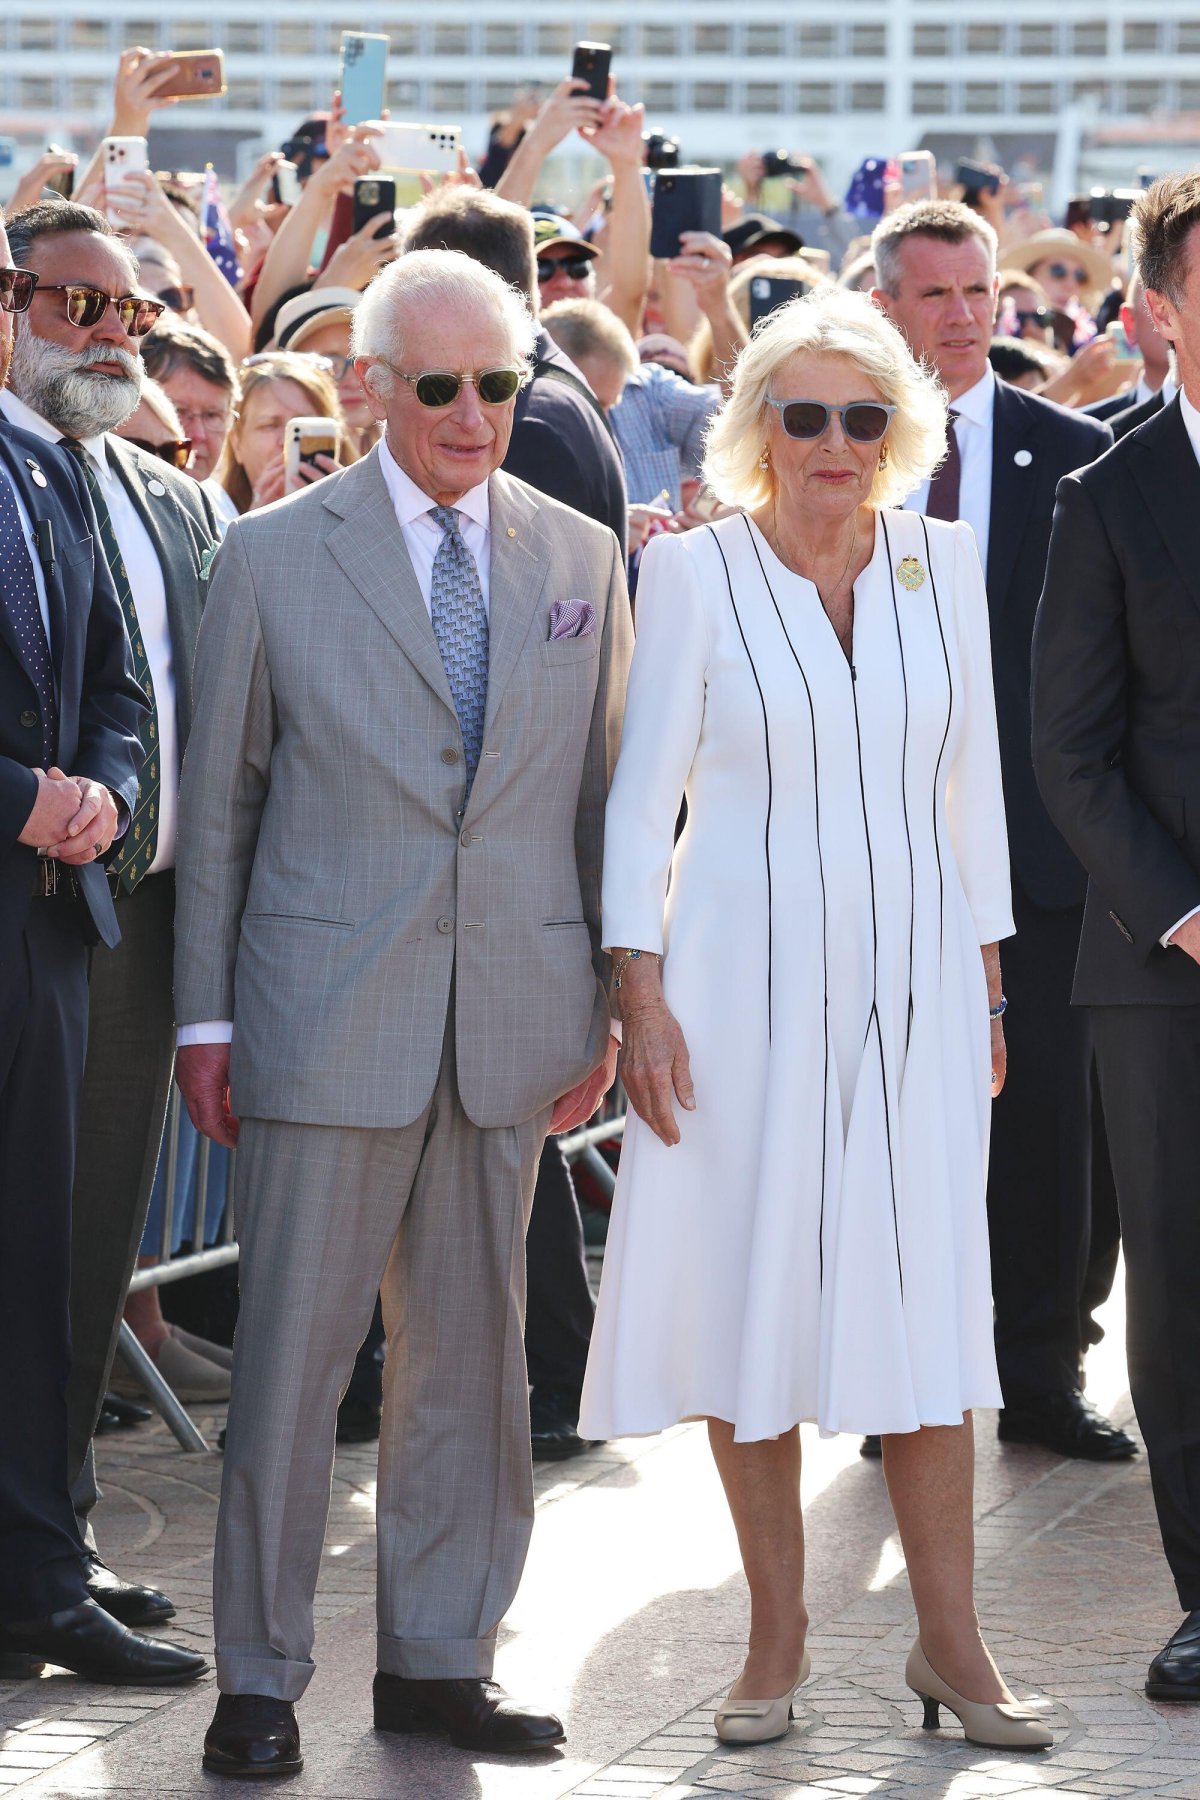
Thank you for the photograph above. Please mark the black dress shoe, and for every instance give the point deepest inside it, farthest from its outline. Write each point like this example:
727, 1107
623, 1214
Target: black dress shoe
125, 1600
1067, 1423
1175, 1672
106, 1421
89, 1642
553, 1425
475, 1714
253, 1734
358, 1421
872, 1445
128, 1412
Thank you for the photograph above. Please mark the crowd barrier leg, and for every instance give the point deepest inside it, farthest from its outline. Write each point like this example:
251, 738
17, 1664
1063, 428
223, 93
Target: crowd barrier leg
142, 1368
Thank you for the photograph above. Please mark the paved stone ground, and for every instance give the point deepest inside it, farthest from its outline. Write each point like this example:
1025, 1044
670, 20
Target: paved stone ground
631, 1621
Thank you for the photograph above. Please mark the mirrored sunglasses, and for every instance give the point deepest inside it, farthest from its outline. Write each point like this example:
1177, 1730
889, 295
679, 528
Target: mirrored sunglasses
1058, 271
174, 450
442, 387
574, 266
863, 421
16, 289
87, 306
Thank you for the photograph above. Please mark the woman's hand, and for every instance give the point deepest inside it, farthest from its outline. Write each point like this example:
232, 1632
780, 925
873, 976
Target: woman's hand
999, 1058
140, 75
354, 157
995, 993
705, 262
29, 189
654, 1057
357, 262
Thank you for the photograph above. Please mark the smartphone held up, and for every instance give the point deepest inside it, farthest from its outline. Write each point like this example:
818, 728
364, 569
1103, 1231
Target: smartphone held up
304, 439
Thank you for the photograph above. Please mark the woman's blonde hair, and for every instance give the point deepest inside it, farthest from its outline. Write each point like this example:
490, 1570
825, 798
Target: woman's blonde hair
830, 323
319, 389
778, 268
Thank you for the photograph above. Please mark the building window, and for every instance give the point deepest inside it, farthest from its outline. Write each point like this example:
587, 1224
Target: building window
293, 37
711, 96
448, 97
35, 91
37, 34
1092, 90
1089, 38
1037, 40
983, 97
89, 34
498, 95
985, 40
501, 39
405, 96
1143, 97
606, 31
660, 40
930, 97
452, 39
1142, 34
554, 40
868, 40
194, 34
816, 40
764, 40
712, 40
1189, 96
931, 40
660, 96
406, 39
816, 97
294, 96
764, 97
867, 96
1036, 96
87, 96
244, 96
1187, 36
243, 36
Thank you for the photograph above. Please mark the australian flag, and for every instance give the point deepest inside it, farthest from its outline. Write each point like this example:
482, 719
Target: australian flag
218, 232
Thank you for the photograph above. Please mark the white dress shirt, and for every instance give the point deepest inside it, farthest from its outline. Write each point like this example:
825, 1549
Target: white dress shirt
149, 597
973, 429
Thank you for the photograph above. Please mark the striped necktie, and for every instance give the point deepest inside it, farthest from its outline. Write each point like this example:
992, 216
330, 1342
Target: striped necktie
140, 842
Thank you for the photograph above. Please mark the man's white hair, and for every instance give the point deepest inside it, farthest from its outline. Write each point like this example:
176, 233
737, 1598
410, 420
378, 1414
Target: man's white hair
433, 282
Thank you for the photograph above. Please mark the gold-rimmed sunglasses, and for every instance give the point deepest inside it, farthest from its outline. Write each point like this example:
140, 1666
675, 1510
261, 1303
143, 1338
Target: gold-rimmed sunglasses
86, 306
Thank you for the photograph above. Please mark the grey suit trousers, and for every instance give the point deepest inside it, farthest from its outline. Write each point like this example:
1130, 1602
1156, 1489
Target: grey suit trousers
126, 1084
432, 1215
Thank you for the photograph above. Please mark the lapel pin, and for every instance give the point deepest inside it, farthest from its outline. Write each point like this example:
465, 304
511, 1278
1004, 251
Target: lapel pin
910, 573
512, 531
1022, 458
156, 487
35, 473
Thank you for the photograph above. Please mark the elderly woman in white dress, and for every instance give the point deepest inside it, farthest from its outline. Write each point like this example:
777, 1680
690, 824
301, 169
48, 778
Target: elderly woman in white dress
809, 986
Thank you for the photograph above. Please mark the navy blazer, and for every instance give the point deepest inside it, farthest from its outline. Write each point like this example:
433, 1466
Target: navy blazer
100, 705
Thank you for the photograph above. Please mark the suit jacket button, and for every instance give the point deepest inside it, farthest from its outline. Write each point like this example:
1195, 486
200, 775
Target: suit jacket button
445, 926
29, 719
449, 756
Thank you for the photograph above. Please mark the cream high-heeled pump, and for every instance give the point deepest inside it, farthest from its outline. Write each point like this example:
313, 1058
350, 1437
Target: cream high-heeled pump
1004, 1726
758, 1721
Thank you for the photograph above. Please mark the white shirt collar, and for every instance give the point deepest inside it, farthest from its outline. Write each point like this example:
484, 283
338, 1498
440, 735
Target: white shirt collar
1191, 422
411, 503
18, 413
978, 403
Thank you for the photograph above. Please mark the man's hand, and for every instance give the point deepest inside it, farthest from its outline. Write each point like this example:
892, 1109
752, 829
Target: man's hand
704, 263
354, 157
202, 1072
576, 1107
811, 187
57, 803
1187, 938
618, 136
568, 108
358, 260
29, 189
91, 828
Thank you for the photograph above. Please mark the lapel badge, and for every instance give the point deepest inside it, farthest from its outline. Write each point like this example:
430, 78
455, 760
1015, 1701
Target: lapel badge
512, 531
35, 473
1022, 458
910, 573
156, 488
209, 551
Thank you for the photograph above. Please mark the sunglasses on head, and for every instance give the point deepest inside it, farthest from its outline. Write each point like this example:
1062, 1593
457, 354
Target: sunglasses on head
442, 387
16, 289
87, 306
574, 266
1058, 271
174, 451
1036, 315
863, 421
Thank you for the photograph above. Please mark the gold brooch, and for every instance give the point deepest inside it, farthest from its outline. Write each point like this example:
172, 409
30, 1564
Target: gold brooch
910, 573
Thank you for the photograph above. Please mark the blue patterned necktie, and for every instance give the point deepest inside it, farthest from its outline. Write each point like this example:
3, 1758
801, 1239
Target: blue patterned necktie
19, 598
460, 625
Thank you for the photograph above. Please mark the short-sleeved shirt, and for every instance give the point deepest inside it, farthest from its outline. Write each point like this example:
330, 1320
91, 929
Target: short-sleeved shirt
659, 422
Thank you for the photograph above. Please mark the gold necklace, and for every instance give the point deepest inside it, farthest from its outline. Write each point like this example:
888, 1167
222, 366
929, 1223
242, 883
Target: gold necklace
845, 566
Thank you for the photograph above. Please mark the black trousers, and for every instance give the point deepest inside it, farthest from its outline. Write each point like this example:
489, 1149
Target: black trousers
126, 1084
1052, 1216
43, 1037
1149, 1062
559, 1307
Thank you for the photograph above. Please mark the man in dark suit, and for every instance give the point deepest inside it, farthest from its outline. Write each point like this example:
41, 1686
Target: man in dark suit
1116, 746
75, 381
1155, 386
70, 712
936, 268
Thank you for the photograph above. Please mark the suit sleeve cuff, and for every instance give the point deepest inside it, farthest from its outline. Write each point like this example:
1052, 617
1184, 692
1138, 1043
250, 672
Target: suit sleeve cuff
1165, 939
211, 1031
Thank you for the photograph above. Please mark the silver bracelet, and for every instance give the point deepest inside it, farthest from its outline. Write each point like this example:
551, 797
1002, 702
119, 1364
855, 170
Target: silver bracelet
998, 1012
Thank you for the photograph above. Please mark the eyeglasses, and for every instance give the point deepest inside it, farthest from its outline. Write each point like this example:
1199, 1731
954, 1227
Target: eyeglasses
16, 289
441, 387
179, 299
1058, 271
574, 266
174, 450
88, 305
213, 421
1036, 315
863, 421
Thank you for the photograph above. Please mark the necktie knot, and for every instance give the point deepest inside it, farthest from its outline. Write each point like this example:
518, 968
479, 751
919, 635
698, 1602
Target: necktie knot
446, 516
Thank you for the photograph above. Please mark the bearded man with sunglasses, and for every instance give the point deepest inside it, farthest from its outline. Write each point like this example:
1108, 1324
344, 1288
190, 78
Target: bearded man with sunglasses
76, 375
410, 683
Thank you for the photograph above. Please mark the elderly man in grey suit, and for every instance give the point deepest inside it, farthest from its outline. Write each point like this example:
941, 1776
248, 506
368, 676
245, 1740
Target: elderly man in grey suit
409, 690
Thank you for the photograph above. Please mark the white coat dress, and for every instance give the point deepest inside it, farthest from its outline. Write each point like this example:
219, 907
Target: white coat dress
816, 1246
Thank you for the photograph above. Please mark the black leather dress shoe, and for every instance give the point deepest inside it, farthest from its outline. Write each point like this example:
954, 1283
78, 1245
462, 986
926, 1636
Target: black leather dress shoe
89, 1642
475, 1714
871, 1446
553, 1425
127, 1412
1067, 1423
1175, 1672
253, 1734
125, 1600
358, 1421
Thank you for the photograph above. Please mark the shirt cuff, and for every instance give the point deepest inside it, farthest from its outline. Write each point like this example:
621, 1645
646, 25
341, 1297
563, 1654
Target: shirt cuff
1165, 939
211, 1031
615, 1029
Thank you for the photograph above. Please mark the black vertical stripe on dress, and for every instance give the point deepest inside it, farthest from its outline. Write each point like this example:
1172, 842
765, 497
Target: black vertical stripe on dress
912, 880
812, 717
770, 783
945, 739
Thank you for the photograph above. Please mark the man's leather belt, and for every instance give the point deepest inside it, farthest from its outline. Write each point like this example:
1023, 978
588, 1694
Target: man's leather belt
51, 879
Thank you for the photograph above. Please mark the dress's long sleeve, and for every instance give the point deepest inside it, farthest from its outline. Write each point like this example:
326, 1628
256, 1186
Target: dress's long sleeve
975, 794
664, 710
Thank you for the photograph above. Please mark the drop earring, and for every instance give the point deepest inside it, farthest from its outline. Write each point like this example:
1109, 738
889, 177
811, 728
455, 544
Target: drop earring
764, 461
883, 454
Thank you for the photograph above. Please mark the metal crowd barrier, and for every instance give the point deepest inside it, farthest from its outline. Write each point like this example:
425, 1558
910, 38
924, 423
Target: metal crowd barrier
579, 1146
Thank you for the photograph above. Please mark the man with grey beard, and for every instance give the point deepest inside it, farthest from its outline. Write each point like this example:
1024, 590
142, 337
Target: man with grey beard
76, 374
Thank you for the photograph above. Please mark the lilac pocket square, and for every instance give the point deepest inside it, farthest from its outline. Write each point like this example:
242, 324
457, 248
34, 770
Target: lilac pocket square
571, 619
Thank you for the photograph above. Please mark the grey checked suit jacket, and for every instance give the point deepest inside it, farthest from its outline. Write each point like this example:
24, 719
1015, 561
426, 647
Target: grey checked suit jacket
328, 884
